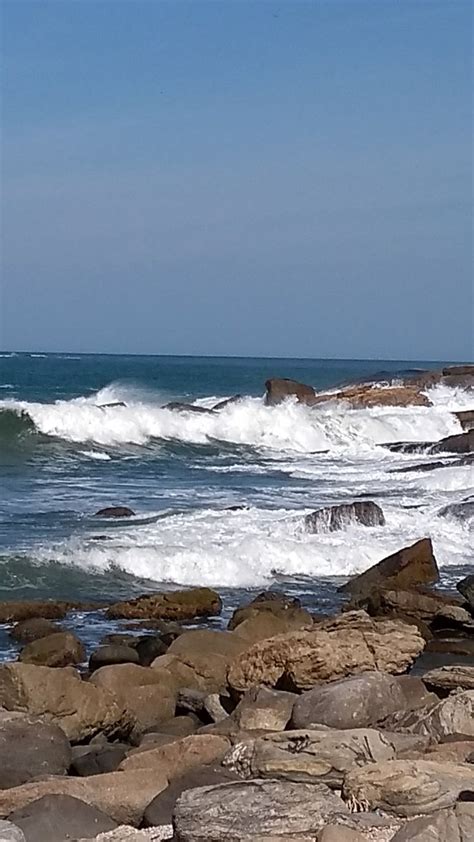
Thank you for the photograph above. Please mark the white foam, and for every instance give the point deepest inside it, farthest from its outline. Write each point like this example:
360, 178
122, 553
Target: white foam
96, 454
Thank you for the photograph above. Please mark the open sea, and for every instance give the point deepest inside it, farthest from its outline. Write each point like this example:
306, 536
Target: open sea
64, 455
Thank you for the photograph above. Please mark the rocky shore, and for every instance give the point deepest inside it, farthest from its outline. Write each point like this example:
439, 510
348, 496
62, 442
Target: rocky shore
284, 726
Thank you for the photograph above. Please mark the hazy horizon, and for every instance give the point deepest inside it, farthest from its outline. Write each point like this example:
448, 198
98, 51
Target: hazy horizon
286, 180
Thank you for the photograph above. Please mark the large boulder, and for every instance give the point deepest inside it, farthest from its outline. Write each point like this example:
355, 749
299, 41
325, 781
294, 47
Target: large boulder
363, 395
309, 755
346, 645
409, 567
11, 612
30, 747
112, 654
407, 787
461, 443
207, 653
78, 707
448, 719
148, 696
279, 389
160, 811
270, 613
465, 418
255, 810
120, 795
332, 518
55, 818
178, 757
466, 588
264, 709
446, 611
169, 605
55, 650
357, 701
33, 629
97, 759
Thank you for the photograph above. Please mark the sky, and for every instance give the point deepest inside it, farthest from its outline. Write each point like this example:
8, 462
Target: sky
238, 177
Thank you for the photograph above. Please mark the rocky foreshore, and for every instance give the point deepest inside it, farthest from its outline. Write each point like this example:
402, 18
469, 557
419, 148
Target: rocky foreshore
284, 726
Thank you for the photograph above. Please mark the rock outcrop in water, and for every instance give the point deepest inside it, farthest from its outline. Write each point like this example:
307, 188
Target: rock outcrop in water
169, 605
407, 568
280, 389
115, 511
331, 518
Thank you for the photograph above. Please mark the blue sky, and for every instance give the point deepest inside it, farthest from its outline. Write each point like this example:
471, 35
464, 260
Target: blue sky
254, 178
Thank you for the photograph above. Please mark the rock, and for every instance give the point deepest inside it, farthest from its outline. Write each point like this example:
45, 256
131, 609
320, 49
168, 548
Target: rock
256, 809
465, 418
78, 707
148, 696
450, 718
169, 605
451, 645
346, 645
358, 701
177, 406
9, 832
160, 811
458, 370
208, 654
332, 518
11, 612
414, 565
122, 796
115, 511
227, 402
369, 394
180, 756
462, 511
280, 389
264, 709
96, 760
214, 707
462, 443
415, 692
264, 618
466, 588
407, 787
56, 818
442, 826
30, 747
55, 650
446, 611
150, 647
34, 629
125, 833
111, 655
179, 726
338, 833
458, 751
450, 678
310, 756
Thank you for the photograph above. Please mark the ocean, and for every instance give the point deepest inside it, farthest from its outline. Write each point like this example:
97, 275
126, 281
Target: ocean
219, 498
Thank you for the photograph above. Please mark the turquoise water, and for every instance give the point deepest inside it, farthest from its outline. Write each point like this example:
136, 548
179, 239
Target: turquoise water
64, 455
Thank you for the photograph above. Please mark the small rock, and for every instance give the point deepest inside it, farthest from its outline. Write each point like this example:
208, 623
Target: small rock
33, 629
115, 511
55, 650
112, 655
332, 518
264, 709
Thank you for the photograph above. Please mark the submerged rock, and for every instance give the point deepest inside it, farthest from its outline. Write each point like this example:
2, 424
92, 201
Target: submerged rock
176, 406
462, 443
115, 511
331, 518
406, 568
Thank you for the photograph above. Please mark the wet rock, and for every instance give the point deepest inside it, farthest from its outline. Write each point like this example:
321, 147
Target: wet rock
111, 655
465, 418
176, 406
346, 645
309, 755
264, 709
78, 707
97, 759
122, 796
150, 647
169, 605
451, 645
461, 511
354, 702
407, 787
227, 402
30, 747
450, 718
11, 612
160, 811
466, 588
369, 394
34, 629
180, 756
259, 809
280, 389
450, 678
55, 650
462, 443
55, 818
332, 518
115, 511
406, 568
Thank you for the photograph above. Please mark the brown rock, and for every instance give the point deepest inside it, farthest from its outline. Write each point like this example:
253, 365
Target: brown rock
55, 818
264, 709
11, 612
332, 518
180, 756
447, 611
112, 654
367, 395
34, 629
265, 617
121, 795
465, 418
450, 678
347, 645
169, 605
58, 696
148, 696
415, 565
30, 747
208, 654
407, 787
442, 826
279, 389
55, 650
450, 718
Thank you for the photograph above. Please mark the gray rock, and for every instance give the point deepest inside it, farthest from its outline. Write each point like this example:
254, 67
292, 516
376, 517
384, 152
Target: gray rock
58, 818
264, 709
456, 825
354, 702
331, 518
97, 759
29, 748
9, 832
466, 588
252, 809
113, 654
160, 810
451, 718
450, 678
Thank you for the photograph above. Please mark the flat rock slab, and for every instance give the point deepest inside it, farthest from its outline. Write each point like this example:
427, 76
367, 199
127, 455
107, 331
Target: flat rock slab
408, 787
247, 810
450, 678
451, 718
55, 818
